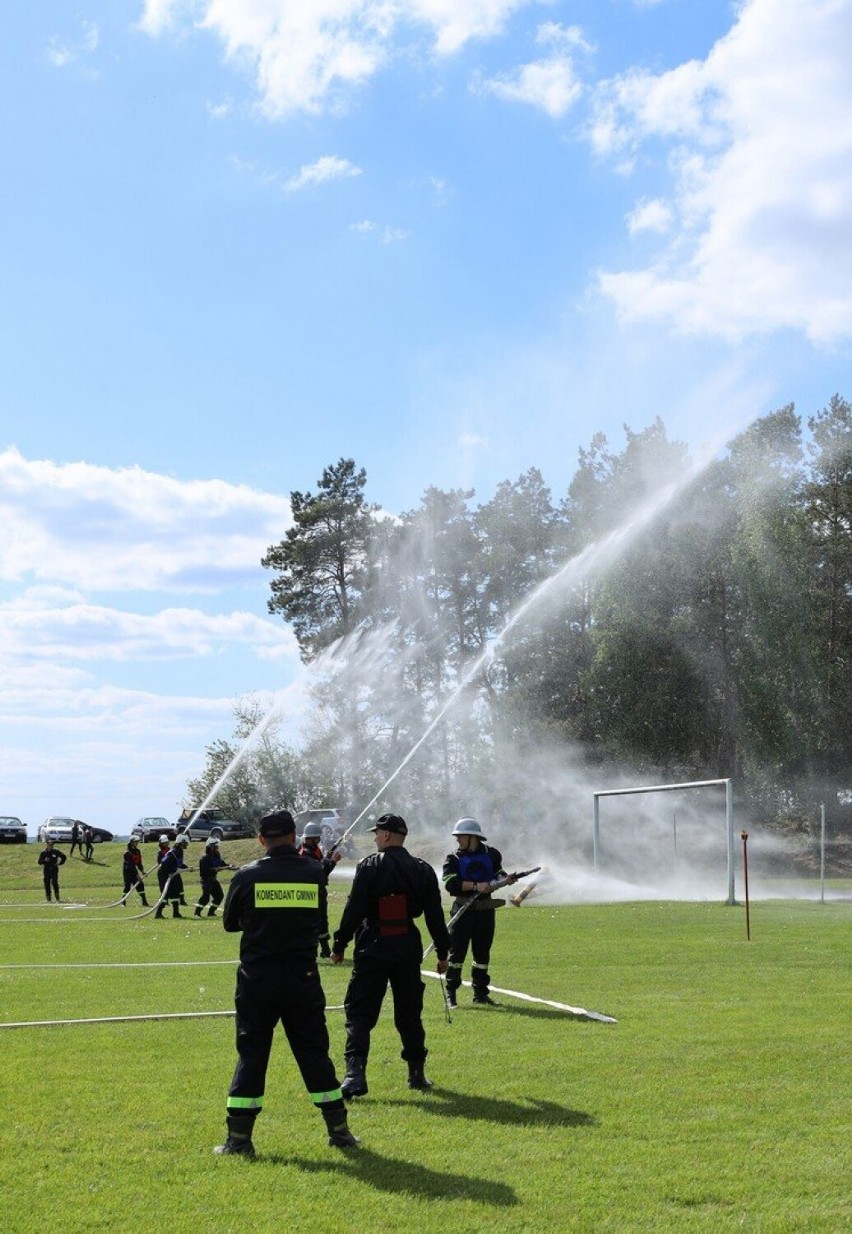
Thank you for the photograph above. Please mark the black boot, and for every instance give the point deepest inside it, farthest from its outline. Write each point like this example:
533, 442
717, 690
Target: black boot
416, 1078
355, 1081
238, 1142
145, 901
159, 911
211, 912
197, 912
339, 1135
451, 997
176, 912
484, 1000
325, 950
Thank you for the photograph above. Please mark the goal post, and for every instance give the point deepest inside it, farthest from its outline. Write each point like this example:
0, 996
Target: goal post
670, 788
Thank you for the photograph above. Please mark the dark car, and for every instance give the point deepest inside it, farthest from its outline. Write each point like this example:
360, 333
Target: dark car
58, 827
12, 830
151, 828
212, 824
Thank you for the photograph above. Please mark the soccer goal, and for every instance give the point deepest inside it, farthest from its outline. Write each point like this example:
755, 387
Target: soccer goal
670, 788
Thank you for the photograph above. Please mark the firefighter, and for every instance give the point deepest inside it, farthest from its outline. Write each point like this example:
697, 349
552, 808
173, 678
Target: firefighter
211, 889
390, 889
171, 863
469, 872
276, 903
310, 847
133, 872
51, 858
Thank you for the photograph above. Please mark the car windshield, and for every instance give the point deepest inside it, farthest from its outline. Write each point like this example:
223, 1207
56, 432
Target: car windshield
10, 820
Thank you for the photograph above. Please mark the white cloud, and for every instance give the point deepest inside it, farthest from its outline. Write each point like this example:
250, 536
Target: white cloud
649, 216
760, 142
131, 530
306, 54
41, 626
382, 232
60, 55
329, 167
551, 84
472, 441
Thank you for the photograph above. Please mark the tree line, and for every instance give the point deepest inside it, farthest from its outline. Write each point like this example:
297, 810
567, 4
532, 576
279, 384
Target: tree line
714, 643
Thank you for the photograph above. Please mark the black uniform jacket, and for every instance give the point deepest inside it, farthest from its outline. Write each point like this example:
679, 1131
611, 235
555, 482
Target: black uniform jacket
393, 872
277, 902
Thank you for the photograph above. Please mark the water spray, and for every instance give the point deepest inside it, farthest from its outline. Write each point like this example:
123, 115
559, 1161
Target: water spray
592, 560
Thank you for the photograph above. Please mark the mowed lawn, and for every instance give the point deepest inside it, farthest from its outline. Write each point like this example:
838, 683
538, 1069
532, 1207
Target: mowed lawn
719, 1101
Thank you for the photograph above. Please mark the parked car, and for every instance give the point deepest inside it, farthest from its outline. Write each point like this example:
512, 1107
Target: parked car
151, 828
330, 819
12, 830
58, 828
212, 824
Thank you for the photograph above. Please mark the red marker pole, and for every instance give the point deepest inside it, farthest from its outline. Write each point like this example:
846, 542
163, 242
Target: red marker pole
744, 837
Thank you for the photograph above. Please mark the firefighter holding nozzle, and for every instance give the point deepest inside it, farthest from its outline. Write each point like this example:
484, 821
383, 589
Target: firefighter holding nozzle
468, 875
391, 888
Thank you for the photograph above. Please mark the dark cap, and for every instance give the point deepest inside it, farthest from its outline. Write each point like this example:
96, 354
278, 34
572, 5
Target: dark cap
278, 823
391, 822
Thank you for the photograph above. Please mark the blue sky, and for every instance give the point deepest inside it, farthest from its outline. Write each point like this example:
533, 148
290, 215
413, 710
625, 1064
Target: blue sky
244, 238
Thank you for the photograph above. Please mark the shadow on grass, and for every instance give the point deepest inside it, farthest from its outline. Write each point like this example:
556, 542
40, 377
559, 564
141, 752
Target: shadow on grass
389, 1174
510, 1008
448, 1103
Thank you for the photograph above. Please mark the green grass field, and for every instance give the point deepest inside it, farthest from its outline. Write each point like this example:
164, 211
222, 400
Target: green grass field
719, 1101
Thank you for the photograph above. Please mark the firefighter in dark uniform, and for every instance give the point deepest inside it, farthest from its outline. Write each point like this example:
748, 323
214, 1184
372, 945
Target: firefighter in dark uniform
276, 903
133, 872
309, 846
468, 871
390, 889
211, 889
170, 866
51, 858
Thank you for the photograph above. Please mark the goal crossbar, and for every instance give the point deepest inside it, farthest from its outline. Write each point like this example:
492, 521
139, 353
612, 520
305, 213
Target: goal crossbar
670, 788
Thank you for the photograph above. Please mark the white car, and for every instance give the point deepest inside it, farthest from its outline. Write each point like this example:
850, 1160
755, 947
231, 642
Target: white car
12, 830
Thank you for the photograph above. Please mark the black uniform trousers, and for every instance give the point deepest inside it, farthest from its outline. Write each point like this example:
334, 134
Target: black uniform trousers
377, 963
474, 929
51, 881
175, 886
133, 879
290, 993
211, 890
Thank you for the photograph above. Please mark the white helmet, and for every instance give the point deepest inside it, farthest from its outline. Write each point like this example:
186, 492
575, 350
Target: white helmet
468, 827
182, 839
212, 843
164, 840
312, 831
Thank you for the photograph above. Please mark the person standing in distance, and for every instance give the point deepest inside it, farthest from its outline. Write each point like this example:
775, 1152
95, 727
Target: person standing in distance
309, 846
276, 902
208, 868
133, 872
468, 873
171, 864
390, 889
50, 859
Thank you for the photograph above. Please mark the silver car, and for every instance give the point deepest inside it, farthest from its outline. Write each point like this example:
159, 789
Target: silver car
58, 829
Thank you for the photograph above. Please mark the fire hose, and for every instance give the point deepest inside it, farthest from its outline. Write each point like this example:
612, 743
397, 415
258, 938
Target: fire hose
494, 885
